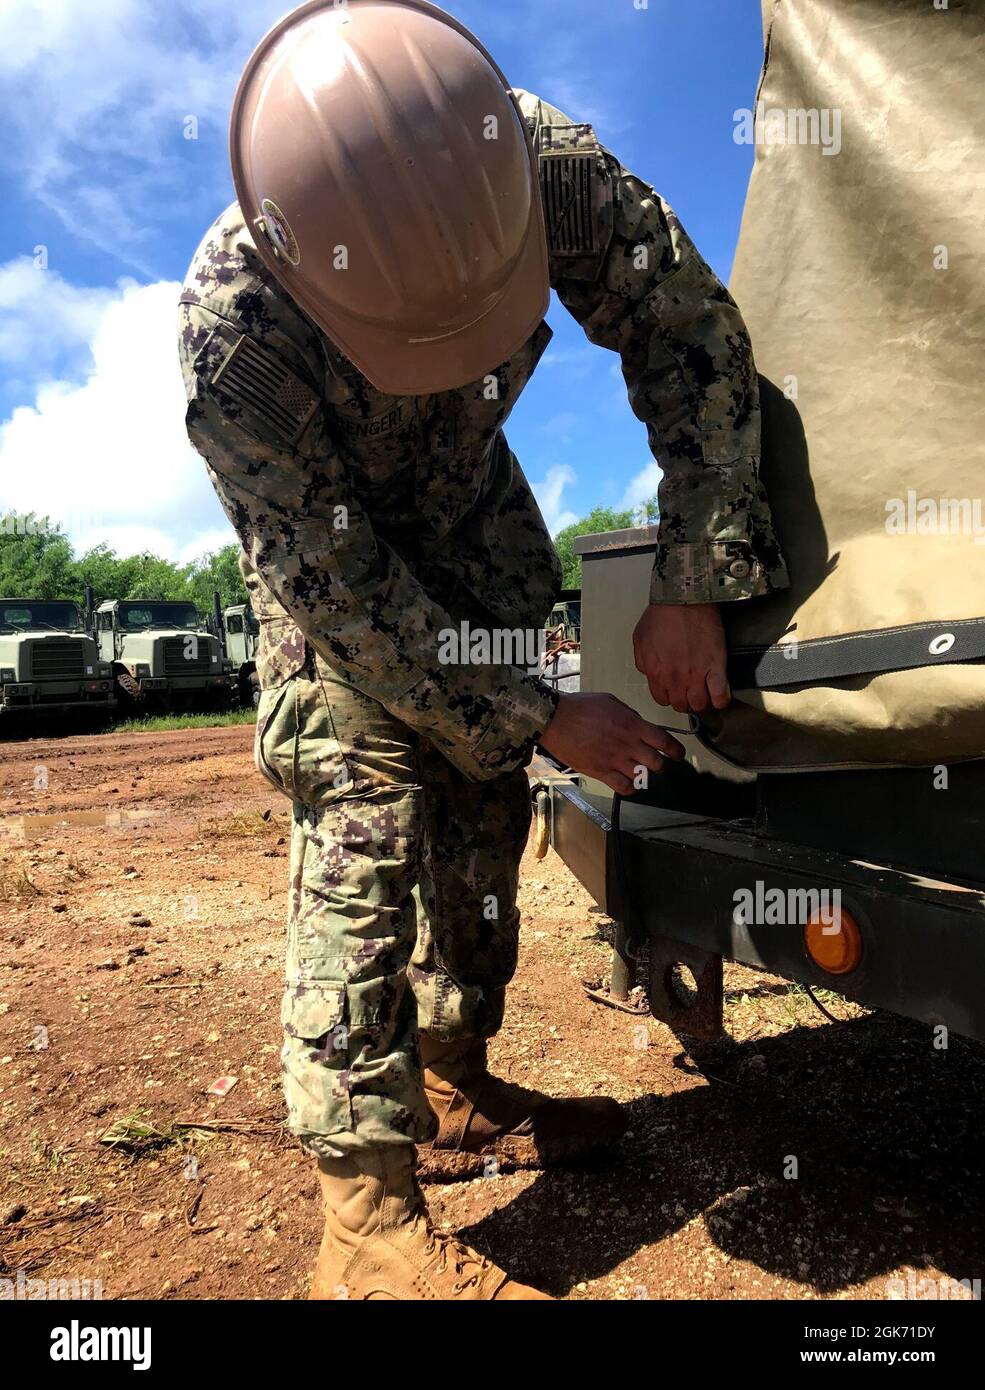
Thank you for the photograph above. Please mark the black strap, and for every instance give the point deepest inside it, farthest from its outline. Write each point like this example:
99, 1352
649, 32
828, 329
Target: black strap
827, 659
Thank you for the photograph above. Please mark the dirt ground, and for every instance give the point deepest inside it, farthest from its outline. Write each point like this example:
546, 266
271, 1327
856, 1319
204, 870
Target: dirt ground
141, 959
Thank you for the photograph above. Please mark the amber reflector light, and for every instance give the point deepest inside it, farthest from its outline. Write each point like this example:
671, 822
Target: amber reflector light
833, 940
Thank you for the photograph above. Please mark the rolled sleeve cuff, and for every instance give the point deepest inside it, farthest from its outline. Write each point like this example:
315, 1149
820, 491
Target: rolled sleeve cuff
521, 717
712, 572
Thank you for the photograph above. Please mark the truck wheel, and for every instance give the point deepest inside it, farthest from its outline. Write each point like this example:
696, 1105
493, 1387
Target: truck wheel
249, 689
127, 689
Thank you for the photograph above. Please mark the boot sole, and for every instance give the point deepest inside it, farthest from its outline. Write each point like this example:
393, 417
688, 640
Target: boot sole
454, 1165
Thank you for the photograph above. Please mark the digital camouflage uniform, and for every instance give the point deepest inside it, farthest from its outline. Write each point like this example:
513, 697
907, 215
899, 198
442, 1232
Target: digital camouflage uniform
370, 524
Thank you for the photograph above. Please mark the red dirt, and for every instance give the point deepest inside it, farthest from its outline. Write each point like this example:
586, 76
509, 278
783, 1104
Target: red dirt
141, 961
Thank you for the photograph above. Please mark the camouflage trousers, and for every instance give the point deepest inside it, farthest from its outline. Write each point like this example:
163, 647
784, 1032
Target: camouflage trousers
402, 911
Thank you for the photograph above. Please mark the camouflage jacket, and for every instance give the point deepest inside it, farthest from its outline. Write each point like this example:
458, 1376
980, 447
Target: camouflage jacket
371, 524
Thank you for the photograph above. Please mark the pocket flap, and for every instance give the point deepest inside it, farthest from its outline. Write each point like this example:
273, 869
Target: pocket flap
281, 651
313, 1008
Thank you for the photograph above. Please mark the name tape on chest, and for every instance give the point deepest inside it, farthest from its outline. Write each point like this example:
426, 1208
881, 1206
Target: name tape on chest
355, 427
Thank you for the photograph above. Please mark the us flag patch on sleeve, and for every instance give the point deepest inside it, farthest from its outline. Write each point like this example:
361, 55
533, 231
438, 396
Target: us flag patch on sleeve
271, 398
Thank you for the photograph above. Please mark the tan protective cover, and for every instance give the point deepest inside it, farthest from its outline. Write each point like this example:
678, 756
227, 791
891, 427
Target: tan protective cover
383, 164
836, 274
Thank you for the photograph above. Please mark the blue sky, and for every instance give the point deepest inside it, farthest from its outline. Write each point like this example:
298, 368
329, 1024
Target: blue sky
105, 201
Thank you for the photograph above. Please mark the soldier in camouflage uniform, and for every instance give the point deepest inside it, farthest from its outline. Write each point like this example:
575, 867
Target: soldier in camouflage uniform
374, 520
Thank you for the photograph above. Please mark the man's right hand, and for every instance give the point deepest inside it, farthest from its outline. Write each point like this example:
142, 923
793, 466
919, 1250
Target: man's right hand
603, 738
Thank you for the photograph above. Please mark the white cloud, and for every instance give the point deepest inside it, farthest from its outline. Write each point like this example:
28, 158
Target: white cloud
643, 485
548, 494
553, 38
95, 96
46, 323
205, 542
103, 455
573, 363
107, 456
96, 93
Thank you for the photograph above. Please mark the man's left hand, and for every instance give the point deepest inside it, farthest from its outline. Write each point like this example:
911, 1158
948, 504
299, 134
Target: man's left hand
680, 648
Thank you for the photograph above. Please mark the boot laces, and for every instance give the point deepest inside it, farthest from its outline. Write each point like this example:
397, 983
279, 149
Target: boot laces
461, 1257
448, 1249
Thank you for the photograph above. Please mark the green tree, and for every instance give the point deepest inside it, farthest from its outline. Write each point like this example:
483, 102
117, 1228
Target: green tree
134, 576
217, 570
35, 559
598, 519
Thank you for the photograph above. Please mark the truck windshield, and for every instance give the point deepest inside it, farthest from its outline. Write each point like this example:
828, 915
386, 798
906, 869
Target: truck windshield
142, 615
27, 615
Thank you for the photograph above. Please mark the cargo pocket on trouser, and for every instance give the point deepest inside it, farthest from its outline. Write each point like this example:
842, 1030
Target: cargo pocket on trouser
276, 737
467, 955
321, 771
296, 746
315, 1062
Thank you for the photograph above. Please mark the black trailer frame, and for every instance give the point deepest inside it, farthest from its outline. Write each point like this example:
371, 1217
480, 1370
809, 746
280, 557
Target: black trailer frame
904, 848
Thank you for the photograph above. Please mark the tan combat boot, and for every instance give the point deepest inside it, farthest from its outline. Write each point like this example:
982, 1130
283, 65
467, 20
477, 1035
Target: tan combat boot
483, 1119
379, 1241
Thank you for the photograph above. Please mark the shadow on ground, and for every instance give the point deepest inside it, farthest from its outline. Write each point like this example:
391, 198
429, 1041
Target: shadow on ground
885, 1132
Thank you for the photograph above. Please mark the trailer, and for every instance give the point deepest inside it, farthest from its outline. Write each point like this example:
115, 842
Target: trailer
828, 825
870, 882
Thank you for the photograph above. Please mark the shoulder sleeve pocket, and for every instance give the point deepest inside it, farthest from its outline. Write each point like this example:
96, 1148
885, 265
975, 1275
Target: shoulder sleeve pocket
577, 190
255, 388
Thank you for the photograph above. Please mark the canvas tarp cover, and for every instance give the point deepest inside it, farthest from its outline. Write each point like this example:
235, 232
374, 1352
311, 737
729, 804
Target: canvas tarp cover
861, 276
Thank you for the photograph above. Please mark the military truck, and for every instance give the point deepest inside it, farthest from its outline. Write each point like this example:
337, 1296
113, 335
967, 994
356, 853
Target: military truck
162, 653
48, 662
566, 614
240, 635
561, 663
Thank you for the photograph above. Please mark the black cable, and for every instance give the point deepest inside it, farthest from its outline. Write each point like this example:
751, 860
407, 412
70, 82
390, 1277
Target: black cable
818, 1005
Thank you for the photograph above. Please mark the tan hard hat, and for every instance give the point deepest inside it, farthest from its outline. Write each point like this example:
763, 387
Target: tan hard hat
383, 165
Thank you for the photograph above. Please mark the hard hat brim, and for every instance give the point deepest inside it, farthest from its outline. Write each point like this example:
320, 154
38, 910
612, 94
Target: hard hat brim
405, 367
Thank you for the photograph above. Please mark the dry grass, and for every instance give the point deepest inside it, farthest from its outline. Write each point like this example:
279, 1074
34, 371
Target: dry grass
136, 1135
243, 825
17, 884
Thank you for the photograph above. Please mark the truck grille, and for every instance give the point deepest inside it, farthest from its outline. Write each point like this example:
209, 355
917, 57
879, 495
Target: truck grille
176, 663
57, 661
